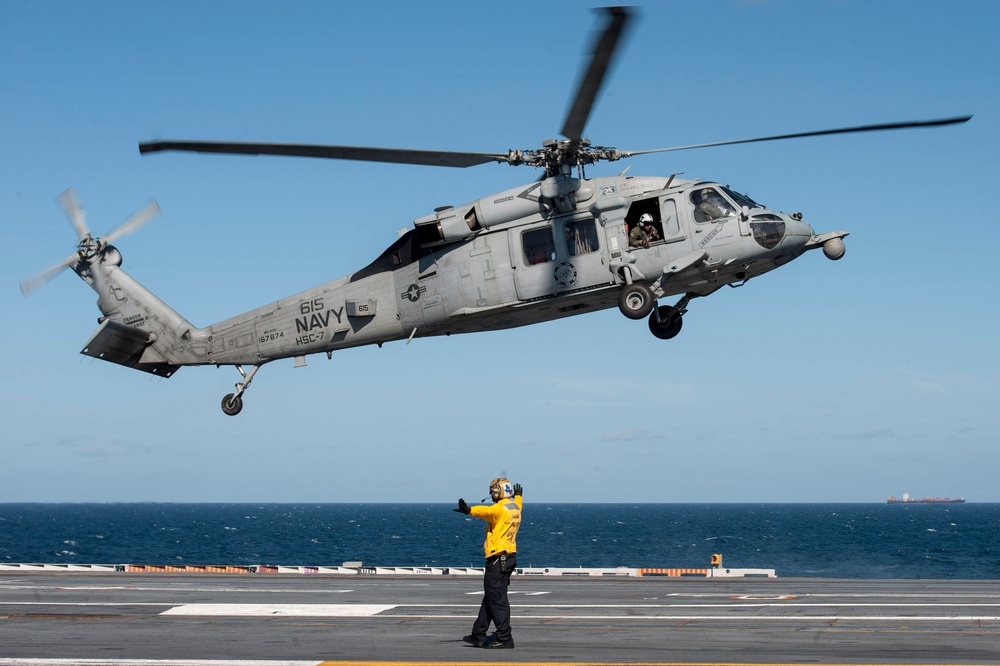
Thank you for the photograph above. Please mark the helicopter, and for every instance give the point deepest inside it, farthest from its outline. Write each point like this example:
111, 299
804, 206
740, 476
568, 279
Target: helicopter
562, 245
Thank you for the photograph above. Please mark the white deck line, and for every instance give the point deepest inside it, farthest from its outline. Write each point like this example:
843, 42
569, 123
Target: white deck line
279, 610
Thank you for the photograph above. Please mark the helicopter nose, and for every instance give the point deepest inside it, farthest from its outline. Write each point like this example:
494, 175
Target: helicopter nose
797, 232
796, 227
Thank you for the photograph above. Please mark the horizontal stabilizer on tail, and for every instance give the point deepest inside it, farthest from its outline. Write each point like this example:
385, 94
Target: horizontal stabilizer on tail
123, 344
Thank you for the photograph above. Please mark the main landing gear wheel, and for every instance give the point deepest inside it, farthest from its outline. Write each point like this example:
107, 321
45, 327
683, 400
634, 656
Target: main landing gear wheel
636, 301
232, 404
665, 323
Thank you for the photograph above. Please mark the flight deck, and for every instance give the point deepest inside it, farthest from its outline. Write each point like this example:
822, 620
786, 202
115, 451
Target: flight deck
150, 618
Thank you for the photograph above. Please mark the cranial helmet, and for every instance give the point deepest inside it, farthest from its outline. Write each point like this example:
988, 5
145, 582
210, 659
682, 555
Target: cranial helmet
501, 489
646, 218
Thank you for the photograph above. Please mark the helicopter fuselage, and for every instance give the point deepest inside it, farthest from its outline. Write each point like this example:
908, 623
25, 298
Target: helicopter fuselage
555, 248
530, 254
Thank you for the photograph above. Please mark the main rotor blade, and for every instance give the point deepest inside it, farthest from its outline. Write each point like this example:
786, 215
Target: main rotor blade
134, 221
844, 130
74, 211
603, 52
360, 153
32, 284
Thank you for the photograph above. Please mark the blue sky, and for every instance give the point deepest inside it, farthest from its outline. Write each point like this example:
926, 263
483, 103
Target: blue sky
820, 382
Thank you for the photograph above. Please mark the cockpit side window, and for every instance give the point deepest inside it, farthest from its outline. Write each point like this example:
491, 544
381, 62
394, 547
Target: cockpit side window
710, 205
538, 246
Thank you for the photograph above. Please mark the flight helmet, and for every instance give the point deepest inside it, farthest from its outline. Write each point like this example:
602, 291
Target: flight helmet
501, 488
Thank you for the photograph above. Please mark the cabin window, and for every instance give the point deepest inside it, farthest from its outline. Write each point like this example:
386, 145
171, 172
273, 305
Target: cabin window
538, 246
581, 237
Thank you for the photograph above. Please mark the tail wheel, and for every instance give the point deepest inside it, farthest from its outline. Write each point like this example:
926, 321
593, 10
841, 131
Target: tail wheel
232, 404
666, 322
636, 301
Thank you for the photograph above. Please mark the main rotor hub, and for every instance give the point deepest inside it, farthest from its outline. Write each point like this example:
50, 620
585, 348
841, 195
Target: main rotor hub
558, 153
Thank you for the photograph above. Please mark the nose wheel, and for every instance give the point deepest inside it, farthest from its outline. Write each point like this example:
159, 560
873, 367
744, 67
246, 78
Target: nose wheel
232, 404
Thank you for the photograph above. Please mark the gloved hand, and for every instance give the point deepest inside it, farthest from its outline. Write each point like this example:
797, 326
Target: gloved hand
517, 490
462, 507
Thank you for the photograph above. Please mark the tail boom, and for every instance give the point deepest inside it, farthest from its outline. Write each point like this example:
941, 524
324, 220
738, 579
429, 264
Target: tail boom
138, 330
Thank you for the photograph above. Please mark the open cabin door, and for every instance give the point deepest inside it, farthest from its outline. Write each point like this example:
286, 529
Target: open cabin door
669, 225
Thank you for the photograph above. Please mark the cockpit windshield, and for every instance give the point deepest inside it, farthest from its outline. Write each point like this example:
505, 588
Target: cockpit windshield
741, 199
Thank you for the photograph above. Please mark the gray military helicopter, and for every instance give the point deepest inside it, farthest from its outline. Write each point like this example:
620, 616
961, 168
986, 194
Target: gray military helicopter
560, 246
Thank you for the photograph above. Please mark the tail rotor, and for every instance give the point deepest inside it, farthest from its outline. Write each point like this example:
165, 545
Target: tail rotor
88, 249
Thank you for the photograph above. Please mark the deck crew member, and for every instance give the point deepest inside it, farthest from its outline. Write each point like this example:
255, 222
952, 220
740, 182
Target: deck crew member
503, 518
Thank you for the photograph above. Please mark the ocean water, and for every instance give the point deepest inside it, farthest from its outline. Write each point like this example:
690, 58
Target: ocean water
797, 540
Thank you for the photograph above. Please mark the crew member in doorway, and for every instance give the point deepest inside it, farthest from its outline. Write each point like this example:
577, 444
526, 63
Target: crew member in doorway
639, 236
503, 518
646, 222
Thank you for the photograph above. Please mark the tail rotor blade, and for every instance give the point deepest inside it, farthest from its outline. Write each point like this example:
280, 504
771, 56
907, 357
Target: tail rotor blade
136, 220
31, 285
74, 211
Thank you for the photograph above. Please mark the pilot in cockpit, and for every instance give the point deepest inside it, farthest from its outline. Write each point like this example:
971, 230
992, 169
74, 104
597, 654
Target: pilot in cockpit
709, 205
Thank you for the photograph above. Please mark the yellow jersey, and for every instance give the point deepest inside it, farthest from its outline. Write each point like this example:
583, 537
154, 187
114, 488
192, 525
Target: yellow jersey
503, 520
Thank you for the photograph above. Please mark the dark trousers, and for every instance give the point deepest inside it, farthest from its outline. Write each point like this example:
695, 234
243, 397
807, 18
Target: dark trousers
495, 607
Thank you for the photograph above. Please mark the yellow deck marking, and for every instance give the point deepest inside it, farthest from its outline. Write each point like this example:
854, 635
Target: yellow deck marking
585, 663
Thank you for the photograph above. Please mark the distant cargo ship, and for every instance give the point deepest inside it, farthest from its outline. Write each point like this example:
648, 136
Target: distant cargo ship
924, 500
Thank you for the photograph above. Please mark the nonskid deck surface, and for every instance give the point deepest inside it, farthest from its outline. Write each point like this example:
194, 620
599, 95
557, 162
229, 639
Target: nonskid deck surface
212, 618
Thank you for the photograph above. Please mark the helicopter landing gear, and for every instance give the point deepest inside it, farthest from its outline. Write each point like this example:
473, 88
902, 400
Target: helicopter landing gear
666, 321
232, 404
636, 301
